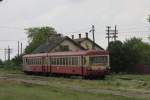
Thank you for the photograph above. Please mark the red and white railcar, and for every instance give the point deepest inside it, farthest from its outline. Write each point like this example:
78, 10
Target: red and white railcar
84, 63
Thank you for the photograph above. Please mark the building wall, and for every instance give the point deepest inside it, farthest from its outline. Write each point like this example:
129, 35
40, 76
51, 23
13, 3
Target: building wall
71, 46
88, 45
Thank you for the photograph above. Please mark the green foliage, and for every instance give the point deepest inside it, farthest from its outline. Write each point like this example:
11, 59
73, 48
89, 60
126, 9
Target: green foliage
14, 64
17, 60
136, 52
9, 65
124, 56
1, 63
38, 36
116, 58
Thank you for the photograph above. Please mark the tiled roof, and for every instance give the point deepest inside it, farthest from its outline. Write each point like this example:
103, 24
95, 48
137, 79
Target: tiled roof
52, 43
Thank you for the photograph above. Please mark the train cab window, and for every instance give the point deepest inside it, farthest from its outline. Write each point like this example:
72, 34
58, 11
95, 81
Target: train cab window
98, 59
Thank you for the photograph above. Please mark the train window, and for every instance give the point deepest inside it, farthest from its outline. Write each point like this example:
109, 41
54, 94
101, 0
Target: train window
98, 59
49, 61
26, 61
60, 63
69, 60
74, 60
63, 61
84, 60
36, 61
40, 61
54, 61
31, 61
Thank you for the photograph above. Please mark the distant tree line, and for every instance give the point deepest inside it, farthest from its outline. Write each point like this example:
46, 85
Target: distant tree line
124, 56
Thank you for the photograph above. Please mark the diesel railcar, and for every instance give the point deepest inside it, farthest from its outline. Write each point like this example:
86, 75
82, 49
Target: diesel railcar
83, 63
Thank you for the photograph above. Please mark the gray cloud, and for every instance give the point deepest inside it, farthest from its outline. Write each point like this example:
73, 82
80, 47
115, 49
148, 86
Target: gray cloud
73, 15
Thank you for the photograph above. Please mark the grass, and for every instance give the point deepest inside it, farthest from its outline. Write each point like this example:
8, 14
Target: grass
19, 91
60, 88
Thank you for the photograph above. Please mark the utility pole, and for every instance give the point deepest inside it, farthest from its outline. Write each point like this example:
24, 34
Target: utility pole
21, 49
111, 33
18, 48
93, 33
5, 52
8, 53
108, 34
115, 33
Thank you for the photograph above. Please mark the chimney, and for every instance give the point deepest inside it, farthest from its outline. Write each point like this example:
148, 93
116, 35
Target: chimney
86, 34
72, 36
79, 36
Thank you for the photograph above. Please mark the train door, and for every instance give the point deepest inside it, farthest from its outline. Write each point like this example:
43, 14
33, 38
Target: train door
43, 69
45, 65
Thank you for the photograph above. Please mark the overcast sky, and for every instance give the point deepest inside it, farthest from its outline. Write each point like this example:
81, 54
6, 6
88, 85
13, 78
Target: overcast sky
72, 17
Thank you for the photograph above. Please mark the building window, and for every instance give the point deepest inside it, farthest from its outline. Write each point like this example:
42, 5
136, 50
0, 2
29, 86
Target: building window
64, 48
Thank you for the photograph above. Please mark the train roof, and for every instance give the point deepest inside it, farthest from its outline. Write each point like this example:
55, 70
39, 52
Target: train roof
69, 53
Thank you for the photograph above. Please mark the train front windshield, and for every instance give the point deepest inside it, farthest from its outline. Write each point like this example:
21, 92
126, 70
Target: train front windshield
96, 60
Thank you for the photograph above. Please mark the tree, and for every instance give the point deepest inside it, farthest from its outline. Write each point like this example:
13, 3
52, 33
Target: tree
125, 56
38, 36
116, 56
132, 53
